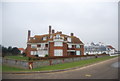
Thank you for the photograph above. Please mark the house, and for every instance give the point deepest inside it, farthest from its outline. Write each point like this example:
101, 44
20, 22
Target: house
110, 49
99, 49
54, 44
21, 50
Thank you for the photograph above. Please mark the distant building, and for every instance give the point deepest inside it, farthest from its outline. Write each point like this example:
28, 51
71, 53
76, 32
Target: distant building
21, 50
54, 44
98, 49
110, 49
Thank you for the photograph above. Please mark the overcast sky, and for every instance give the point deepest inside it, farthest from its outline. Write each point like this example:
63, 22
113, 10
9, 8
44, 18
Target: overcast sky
90, 21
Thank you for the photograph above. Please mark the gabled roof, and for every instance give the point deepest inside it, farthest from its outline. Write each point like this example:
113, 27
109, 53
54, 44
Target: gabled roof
39, 38
21, 49
109, 46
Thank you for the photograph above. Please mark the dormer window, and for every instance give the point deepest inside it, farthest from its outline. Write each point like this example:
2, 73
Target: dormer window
44, 38
57, 36
50, 36
69, 39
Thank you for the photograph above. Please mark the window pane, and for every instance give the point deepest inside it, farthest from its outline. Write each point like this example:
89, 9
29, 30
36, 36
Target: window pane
77, 52
58, 52
58, 43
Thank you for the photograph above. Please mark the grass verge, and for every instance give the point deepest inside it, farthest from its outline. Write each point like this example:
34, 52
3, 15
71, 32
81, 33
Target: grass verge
17, 57
59, 66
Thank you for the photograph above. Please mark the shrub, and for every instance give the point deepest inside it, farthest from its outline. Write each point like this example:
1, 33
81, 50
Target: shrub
46, 55
32, 59
24, 54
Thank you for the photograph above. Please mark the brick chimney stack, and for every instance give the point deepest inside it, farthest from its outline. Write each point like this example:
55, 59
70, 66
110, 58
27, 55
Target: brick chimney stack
49, 30
60, 32
29, 33
53, 31
72, 34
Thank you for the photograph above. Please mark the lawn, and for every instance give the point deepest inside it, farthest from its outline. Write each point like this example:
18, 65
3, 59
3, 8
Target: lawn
60, 66
72, 64
6, 68
19, 57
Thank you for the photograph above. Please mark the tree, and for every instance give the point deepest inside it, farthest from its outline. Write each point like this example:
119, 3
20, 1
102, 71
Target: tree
4, 51
9, 49
15, 51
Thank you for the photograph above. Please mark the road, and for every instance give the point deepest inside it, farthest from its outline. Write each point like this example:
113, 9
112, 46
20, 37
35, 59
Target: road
103, 70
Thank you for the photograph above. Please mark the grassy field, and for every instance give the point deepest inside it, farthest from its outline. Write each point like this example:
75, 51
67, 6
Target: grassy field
6, 68
59, 66
17, 57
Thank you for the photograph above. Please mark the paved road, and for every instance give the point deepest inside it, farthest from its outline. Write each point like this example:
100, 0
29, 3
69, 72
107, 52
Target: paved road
102, 70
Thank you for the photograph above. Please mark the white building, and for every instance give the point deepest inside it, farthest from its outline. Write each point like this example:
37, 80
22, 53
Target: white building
98, 49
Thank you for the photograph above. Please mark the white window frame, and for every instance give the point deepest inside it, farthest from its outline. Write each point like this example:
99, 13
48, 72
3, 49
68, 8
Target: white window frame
44, 38
77, 46
33, 46
69, 39
57, 43
58, 52
33, 52
58, 36
78, 52
69, 46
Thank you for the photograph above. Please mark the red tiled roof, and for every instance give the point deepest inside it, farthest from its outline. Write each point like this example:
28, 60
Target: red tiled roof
38, 38
21, 49
109, 46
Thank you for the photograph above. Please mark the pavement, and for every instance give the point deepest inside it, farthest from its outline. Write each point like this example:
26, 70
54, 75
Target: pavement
102, 70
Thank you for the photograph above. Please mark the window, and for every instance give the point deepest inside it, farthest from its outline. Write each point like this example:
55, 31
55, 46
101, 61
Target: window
33, 38
44, 38
77, 52
73, 46
33, 52
57, 36
58, 52
46, 45
42, 45
50, 36
78, 46
58, 43
69, 46
69, 39
38, 45
33, 46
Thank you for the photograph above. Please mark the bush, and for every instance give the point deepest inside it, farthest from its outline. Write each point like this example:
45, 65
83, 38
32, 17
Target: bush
24, 54
46, 55
32, 59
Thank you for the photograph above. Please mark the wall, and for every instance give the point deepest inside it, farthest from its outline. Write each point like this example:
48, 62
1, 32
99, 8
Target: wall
15, 63
41, 63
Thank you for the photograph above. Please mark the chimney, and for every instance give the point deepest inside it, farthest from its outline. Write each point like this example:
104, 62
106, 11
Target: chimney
49, 30
29, 33
60, 32
53, 31
72, 34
